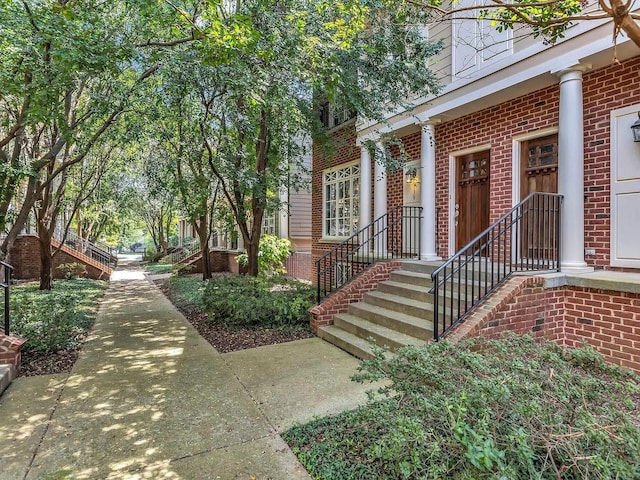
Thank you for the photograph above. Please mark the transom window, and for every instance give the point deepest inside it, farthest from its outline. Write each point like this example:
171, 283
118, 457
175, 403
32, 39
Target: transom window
341, 197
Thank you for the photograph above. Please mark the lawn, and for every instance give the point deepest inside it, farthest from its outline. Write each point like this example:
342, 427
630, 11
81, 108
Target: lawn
508, 409
55, 322
158, 267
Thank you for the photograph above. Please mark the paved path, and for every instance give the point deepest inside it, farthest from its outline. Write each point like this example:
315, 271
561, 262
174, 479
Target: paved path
149, 398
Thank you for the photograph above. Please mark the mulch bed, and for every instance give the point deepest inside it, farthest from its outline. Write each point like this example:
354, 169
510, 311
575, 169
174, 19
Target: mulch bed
224, 339
59, 362
221, 338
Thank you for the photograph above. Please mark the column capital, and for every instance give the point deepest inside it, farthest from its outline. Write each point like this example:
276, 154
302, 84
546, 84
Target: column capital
428, 122
577, 69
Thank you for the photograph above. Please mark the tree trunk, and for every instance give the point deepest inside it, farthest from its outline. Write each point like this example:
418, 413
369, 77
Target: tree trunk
46, 260
202, 228
252, 255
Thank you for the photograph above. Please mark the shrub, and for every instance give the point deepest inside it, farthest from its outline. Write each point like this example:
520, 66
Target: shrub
272, 252
247, 302
57, 319
505, 409
72, 270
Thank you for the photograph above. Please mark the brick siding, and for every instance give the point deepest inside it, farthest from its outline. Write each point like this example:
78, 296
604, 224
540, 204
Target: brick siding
608, 321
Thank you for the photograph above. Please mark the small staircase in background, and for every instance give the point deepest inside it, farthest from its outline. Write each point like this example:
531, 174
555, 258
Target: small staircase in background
397, 314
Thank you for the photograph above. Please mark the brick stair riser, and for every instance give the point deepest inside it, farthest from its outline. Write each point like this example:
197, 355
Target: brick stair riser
361, 332
423, 328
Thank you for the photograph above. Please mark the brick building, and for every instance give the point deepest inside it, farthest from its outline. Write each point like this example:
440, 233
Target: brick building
527, 118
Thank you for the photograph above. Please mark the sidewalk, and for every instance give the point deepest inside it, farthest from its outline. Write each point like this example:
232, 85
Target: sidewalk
149, 398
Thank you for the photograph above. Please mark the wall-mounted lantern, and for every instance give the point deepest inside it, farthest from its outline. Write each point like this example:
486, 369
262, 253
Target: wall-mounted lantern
635, 128
411, 175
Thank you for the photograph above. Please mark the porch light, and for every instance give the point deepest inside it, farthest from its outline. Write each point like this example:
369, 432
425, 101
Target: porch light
412, 173
635, 128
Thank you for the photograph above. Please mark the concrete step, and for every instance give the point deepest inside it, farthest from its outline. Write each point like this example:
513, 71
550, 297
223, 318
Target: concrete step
398, 321
411, 278
7, 374
381, 335
405, 290
415, 308
419, 266
356, 346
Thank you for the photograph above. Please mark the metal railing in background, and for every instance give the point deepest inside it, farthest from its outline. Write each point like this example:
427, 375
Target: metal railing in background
526, 238
99, 252
6, 284
188, 248
396, 234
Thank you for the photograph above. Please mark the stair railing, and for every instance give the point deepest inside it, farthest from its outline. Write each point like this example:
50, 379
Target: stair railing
526, 238
188, 248
396, 234
101, 253
5, 284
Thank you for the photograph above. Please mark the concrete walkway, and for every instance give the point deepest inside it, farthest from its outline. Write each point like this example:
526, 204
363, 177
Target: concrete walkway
149, 398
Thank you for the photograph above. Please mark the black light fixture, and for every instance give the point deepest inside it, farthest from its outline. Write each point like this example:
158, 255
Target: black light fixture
635, 128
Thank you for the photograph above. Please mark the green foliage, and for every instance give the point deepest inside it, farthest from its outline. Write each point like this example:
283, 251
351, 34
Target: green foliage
57, 319
72, 270
272, 252
505, 409
189, 290
158, 268
249, 302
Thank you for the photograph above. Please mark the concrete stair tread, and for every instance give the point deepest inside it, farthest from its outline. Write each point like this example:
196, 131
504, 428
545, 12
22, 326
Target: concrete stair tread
383, 335
356, 346
421, 323
408, 286
389, 297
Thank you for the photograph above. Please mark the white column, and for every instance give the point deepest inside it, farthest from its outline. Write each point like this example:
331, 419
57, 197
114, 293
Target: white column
571, 170
365, 187
380, 197
428, 249
283, 214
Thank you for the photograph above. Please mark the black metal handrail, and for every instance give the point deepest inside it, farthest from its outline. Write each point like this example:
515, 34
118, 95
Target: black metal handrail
101, 253
6, 284
396, 234
526, 238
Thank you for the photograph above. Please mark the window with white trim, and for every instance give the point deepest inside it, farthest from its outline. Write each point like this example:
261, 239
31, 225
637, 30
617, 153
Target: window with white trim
270, 223
341, 201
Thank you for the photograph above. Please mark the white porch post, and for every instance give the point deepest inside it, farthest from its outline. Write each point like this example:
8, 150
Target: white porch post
365, 189
380, 198
428, 248
571, 170
282, 227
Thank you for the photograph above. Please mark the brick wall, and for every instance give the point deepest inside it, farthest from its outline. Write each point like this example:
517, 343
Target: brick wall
25, 258
10, 347
608, 321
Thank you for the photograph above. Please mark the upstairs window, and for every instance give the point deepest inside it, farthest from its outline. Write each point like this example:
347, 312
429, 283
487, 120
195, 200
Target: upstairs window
332, 116
475, 42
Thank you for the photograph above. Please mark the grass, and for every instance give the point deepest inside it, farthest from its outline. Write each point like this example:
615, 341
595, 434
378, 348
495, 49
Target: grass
188, 290
504, 409
54, 320
158, 268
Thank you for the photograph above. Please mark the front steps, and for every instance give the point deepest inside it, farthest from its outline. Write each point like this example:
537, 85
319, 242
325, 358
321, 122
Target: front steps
397, 314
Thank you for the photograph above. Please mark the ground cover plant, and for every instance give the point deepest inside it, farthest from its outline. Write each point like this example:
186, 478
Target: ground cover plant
230, 332
54, 322
505, 409
154, 267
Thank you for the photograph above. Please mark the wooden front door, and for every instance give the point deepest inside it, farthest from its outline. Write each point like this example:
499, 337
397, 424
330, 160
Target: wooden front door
538, 173
472, 196
539, 166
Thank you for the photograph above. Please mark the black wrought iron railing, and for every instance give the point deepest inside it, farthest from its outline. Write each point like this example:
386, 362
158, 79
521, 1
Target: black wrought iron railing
396, 234
5, 283
527, 238
101, 253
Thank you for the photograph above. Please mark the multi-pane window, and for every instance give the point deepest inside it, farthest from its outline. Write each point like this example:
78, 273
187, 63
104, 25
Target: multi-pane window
341, 198
332, 116
270, 224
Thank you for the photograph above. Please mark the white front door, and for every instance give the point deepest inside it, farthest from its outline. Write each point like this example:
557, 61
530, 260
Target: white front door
625, 189
411, 198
